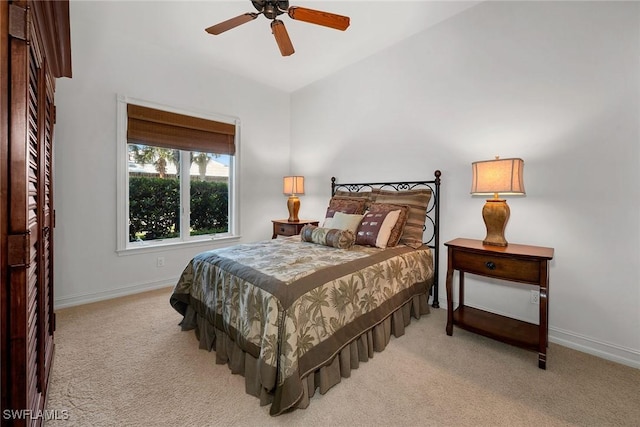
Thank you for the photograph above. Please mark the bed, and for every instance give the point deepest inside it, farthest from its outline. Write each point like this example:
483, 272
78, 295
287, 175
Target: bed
295, 315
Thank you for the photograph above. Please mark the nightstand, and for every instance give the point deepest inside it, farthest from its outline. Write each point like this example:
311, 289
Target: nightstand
514, 263
282, 227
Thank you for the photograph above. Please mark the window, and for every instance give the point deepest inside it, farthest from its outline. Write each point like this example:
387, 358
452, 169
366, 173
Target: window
176, 176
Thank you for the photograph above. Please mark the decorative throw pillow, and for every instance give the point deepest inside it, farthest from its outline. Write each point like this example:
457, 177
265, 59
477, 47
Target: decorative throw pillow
375, 228
398, 228
344, 205
341, 239
343, 221
368, 196
417, 200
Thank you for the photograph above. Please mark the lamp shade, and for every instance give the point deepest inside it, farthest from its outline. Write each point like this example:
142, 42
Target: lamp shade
498, 176
293, 185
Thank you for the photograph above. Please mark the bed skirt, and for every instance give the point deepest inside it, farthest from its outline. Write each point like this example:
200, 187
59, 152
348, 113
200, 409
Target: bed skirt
322, 378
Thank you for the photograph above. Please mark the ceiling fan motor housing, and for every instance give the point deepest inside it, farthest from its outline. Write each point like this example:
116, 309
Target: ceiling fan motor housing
271, 9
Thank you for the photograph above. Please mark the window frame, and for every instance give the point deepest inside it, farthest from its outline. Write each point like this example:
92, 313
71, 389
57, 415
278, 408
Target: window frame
123, 246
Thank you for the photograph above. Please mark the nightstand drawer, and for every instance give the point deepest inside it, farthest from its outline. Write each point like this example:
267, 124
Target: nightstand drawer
288, 229
282, 227
497, 266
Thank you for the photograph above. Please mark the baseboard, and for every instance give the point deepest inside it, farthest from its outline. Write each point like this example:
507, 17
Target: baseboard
608, 351
612, 352
80, 299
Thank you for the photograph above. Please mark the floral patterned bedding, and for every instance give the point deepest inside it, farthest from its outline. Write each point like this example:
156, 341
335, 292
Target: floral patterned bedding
293, 305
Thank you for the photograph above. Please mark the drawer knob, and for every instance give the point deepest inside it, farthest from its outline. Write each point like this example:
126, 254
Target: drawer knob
490, 265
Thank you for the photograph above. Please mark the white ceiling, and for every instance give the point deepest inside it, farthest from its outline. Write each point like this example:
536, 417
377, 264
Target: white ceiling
250, 49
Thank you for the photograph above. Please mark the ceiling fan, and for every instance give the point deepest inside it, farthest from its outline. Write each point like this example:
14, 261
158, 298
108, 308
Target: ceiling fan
271, 10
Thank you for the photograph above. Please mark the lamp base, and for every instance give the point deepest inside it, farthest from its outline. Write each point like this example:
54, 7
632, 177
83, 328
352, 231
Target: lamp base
495, 214
293, 204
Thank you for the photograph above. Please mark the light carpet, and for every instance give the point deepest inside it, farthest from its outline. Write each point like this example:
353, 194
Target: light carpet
125, 362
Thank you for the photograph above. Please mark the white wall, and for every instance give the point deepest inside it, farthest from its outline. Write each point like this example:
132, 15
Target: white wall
106, 64
556, 83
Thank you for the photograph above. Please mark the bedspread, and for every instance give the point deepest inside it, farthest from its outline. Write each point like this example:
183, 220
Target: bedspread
293, 305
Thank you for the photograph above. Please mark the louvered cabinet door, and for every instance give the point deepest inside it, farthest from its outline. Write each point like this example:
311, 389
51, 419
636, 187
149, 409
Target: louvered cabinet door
30, 223
34, 50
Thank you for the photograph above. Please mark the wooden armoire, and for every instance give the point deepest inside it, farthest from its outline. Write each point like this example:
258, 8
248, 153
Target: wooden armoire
34, 50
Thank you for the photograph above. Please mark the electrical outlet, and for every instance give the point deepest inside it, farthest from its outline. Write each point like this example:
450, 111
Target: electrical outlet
160, 261
535, 297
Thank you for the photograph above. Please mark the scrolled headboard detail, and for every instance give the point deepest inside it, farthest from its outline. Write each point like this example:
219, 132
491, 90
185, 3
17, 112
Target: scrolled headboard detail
432, 222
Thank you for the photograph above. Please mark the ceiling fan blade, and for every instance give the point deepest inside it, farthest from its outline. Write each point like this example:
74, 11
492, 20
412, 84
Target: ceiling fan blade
319, 17
282, 37
231, 23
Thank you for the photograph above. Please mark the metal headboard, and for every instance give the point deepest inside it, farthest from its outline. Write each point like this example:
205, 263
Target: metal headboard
433, 214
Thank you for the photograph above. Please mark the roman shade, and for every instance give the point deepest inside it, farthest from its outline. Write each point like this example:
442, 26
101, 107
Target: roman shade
159, 128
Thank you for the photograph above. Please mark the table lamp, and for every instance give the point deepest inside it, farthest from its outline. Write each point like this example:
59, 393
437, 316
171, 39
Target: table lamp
293, 185
497, 177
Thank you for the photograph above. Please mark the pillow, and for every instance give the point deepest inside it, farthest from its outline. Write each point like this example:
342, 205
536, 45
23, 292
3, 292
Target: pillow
375, 228
368, 196
417, 200
343, 221
341, 239
345, 205
396, 231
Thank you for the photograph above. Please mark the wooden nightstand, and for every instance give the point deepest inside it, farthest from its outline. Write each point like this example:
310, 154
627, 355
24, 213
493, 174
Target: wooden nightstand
282, 227
515, 263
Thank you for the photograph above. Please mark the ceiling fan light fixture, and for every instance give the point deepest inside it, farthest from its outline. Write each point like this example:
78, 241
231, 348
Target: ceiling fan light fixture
271, 11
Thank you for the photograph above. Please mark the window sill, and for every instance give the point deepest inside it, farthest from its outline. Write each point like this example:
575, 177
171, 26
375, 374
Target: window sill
212, 243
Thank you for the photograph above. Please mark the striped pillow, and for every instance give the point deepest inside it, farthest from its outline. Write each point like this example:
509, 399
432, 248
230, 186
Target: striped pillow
417, 200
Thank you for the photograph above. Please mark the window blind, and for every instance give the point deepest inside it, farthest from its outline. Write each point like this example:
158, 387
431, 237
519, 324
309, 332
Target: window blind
150, 126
